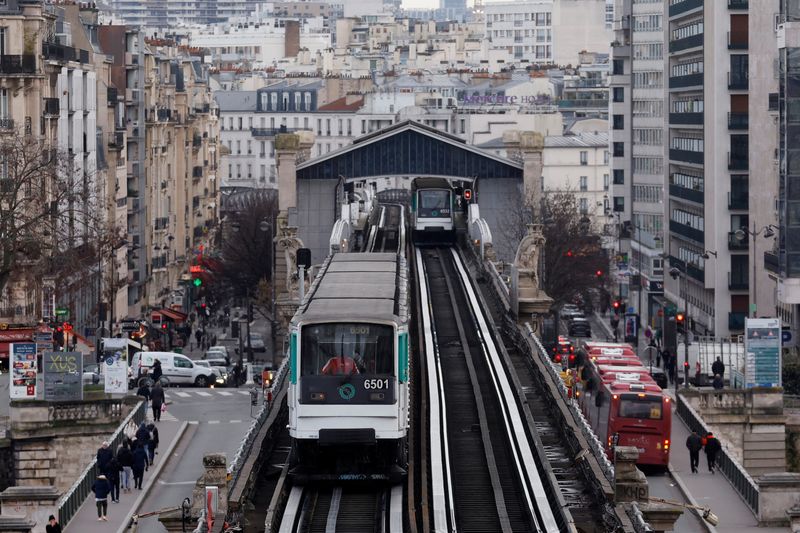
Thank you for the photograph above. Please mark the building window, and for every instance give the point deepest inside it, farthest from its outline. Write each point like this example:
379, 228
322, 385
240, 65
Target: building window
618, 67
619, 94
584, 183
605, 157
619, 176
619, 149
605, 182
619, 203
240, 123
238, 147
584, 157
584, 205
619, 122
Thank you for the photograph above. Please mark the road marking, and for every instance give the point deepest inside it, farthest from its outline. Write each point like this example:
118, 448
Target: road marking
195, 422
203, 393
213, 421
243, 392
160, 482
223, 393
235, 421
183, 394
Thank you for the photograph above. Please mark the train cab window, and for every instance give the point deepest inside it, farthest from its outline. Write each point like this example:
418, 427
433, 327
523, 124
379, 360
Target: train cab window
340, 349
434, 203
640, 407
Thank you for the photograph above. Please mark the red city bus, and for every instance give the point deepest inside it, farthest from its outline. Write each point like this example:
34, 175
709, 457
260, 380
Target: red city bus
632, 414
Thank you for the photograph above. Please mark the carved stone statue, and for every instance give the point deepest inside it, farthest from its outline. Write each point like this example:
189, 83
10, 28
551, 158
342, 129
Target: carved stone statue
528, 257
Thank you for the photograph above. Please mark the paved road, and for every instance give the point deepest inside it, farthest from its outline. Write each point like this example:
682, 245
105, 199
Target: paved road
218, 420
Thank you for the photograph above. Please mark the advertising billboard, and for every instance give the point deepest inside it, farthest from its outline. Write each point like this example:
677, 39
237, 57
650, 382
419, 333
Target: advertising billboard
762, 346
22, 357
115, 365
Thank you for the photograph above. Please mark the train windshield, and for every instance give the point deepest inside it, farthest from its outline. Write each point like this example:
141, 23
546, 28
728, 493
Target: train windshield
647, 407
346, 348
433, 203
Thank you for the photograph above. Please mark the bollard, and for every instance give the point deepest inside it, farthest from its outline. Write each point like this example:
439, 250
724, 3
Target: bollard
249, 374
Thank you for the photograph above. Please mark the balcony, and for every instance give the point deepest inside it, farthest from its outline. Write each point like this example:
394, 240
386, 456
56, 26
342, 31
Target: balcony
693, 41
738, 81
737, 41
594, 103
738, 4
738, 161
51, 106
772, 262
197, 141
686, 156
691, 195
687, 231
680, 8
59, 52
735, 244
116, 140
738, 281
164, 115
690, 80
202, 108
161, 223
6, 124
738, 121
688, 119
18, 64
738, 200
197, 172
736, 321
272, 132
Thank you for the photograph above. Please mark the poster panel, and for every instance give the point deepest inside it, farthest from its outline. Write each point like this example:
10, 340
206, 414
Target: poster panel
23, 370
115, 365
63, 376
762, 338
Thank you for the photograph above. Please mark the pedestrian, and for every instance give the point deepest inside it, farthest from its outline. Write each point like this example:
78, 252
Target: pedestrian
125, 459
712, 449
237, 373
198, 335
666, 355
213, 340
101, 488
718, 367
158, 399
157, 372
695, 444
144, 392
112, 474
718, 383
52, 525
658, 357
143, 439
104, 456
673, 368
139, 465
697, 372
153, 442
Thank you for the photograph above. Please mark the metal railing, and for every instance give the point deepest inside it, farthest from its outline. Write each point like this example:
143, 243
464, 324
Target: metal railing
727, 464
72, 500
594, 443
235, 467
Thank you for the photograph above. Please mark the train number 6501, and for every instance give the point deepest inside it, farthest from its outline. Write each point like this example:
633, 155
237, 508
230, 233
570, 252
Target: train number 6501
376, 384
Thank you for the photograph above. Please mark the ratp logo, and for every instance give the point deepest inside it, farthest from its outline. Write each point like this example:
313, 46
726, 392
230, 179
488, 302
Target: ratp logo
347, 391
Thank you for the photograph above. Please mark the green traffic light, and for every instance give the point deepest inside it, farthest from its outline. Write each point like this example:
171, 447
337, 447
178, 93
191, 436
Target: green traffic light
197, 282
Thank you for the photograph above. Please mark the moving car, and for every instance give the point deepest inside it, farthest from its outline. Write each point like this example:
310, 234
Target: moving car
220, 372
176, 369
257, 343
580, 327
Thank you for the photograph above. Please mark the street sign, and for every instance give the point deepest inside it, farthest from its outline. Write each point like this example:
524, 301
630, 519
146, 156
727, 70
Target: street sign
62, 312
762, 352
129, 326
786, 336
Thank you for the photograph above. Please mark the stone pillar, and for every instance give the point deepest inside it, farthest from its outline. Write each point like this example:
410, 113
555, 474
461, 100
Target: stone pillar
794, 519
630, 484
531, 144
29, 506
660, 516
286, 147
215, 475
777, 493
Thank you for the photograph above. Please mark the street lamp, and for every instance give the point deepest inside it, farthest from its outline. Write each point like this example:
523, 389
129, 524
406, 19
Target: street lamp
676, 272
741, 234
269, 226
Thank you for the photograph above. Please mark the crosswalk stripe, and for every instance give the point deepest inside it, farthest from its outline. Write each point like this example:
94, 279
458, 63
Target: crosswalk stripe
223, 393
213, 421
203, 393
243, 392
183, 394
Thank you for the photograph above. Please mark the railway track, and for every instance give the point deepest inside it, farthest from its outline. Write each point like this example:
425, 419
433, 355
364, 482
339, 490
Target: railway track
483, 476
343, 509
388, 235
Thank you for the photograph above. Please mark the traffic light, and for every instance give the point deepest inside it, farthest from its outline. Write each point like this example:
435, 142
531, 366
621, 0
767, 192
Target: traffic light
163, 325
197, 282
468, 195
680, 322
616, 305
67, 326
599, 273
569, 253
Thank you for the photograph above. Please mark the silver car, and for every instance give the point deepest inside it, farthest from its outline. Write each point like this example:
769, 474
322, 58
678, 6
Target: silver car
91, 374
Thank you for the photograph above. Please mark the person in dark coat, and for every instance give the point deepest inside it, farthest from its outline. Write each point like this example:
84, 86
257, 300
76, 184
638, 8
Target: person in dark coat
157, 398
104, 455
139, 464
157, 372
666, 355
718, 383
143, 440
153, 442
144, 392
713, 448
125, 459
112, 472
718, 367
101, 489
52, 525
695, 444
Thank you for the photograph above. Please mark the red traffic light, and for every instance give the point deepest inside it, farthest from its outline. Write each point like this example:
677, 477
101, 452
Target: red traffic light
468, 194
67, 326
163, 325
558, 358
679, 317
572, 358
599, 273
203, 305
686, 364
616, 304
569, 253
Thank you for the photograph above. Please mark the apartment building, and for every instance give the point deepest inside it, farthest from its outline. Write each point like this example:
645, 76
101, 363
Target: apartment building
637, 127
548, 31
171, 162
165, 13
710, 156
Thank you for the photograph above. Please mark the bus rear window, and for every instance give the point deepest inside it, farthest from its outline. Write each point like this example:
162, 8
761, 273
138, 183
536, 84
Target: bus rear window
637, 407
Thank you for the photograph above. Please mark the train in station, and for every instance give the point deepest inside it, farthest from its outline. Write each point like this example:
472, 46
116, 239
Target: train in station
433, 204
622, 402
348, 392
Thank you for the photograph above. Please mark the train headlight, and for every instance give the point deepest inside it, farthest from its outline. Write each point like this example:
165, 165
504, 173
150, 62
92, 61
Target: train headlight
317, 396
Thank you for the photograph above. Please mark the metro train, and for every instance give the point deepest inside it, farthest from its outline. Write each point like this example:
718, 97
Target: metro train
432, 211
349, 373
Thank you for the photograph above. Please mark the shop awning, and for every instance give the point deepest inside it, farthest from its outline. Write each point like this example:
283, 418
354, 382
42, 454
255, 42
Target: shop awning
173, 315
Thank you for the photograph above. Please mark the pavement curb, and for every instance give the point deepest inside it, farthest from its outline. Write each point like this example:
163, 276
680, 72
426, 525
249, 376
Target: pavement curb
690, 499
602, 322
152, 480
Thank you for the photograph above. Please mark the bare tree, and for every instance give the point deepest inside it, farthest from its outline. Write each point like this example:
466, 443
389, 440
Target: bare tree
575, 263
46, 210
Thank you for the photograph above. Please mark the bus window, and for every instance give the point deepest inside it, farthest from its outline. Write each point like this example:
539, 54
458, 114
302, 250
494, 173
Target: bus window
637, 407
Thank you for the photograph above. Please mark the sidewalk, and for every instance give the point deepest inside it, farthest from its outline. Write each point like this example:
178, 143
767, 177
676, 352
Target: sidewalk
85, 520
710, 490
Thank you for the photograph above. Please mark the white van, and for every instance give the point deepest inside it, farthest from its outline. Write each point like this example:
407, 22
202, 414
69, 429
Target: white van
177, 369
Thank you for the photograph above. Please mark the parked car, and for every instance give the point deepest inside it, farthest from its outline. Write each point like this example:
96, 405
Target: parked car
580, 327
257, 343
177, 369
91, 374
221, 349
